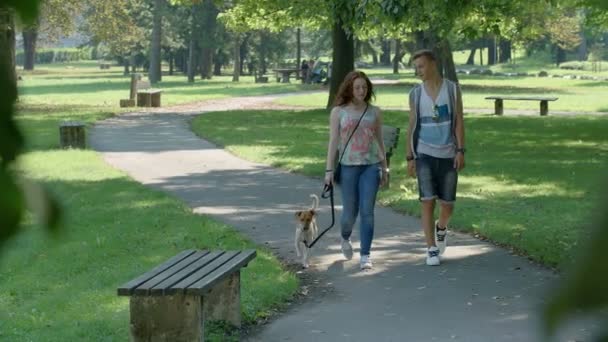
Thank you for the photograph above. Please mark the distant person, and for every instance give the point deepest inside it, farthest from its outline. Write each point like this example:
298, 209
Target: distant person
311, 65
435, 148
356, 139
304, 71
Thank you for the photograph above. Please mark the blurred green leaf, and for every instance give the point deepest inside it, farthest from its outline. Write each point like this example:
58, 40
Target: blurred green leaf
40, 202
585, 284
11, 205
27, 9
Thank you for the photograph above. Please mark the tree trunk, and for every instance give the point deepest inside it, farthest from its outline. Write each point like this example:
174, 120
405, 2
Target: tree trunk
126, 66
11, 138
30, 35
237, 59
491, 43
397, 57
171, 62
445, 61
209, 25
8, 75
481, 56
244, 53
343, 59
263, 52
192, 47
424, 40
582, 48
298, 53
154, 74
385, 56
504, 55
471, 58
560, 55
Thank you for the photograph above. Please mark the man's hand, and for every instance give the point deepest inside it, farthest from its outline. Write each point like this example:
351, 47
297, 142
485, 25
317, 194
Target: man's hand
459, 162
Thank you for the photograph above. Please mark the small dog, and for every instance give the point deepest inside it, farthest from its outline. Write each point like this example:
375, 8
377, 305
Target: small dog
306, 230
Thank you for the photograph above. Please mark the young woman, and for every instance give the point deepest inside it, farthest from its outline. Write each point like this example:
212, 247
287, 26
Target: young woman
356, 138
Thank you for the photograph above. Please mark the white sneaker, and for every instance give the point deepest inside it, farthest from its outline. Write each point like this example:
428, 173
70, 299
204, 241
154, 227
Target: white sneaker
347, 249
366, 262
441, 238
432, 256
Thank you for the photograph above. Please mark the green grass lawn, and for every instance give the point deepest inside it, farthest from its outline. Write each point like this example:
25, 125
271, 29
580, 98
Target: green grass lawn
64, 288
530, 182
574, 95
84, 84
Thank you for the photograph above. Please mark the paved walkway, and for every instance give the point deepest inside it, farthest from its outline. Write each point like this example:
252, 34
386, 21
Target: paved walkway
479, 293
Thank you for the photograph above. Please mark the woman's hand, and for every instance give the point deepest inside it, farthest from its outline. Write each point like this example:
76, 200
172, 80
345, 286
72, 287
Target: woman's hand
329, 177
384, 178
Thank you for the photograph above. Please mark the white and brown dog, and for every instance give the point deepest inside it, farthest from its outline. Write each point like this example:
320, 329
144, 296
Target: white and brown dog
306, 230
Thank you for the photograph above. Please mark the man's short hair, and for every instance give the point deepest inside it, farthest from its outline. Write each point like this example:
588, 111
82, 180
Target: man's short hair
429, 54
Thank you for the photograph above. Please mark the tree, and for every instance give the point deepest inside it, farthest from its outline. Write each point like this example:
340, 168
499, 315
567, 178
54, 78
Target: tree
563, 31
155, 42
57, 17
119, 25
208, 37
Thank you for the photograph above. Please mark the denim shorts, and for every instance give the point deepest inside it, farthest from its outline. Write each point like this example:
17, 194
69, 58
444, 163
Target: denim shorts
437, 178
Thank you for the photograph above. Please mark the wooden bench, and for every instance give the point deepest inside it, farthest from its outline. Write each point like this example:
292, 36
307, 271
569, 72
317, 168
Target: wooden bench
172, 301
391, 138
146, 96
544, 102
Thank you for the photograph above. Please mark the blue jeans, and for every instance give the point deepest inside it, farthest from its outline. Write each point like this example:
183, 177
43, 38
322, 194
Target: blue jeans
359, 185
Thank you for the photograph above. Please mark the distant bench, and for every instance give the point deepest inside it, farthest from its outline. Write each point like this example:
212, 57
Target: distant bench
172, 301
146, 96
544, 102
391, 138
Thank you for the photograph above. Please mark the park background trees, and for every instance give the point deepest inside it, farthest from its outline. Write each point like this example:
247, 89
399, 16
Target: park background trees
193, 35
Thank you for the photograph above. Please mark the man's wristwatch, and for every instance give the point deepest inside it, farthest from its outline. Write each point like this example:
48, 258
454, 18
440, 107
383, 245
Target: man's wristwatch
408, 158
461, 150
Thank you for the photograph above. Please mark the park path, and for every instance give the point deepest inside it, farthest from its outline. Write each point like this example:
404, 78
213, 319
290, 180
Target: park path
479, 293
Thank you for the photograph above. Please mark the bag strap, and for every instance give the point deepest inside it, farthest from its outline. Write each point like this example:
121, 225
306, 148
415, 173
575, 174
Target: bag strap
353, 132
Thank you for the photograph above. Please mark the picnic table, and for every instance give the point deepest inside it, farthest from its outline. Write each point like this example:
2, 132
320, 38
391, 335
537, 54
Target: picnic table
283, 74
544, 102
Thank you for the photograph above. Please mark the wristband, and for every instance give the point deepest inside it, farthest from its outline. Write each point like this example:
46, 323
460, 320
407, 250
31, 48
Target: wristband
329, 170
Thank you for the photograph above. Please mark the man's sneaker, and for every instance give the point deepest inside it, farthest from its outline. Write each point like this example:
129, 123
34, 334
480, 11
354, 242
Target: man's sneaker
347, 249
366, 262
441, 238
432, 256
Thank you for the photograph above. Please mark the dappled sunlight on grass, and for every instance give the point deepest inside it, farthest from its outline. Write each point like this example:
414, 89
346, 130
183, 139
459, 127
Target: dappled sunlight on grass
482, 187
67, 165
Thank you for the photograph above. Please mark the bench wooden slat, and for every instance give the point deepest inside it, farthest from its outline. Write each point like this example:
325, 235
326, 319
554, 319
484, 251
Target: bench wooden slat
201, 273
391, 138
186, 272
241, 260
522, 98
144, 289
127, 288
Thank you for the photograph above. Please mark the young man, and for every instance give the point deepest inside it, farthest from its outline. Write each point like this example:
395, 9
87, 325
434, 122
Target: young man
435, 148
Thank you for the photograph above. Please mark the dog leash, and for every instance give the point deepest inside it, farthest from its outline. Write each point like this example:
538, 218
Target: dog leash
328, 192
